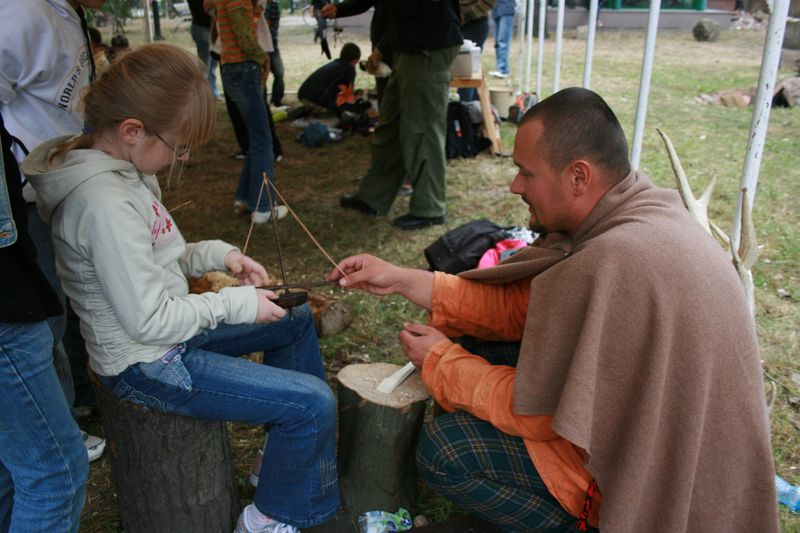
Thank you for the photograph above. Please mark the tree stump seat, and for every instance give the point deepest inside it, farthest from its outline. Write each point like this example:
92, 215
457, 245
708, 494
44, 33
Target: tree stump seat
171, 472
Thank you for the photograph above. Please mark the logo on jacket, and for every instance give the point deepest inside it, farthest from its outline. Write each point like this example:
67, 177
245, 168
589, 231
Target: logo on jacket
163, 231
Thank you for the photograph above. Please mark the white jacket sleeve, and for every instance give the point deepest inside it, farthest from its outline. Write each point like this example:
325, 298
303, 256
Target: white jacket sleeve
141, 291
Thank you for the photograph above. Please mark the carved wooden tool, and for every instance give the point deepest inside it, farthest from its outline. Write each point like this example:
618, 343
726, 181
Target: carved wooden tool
390, 383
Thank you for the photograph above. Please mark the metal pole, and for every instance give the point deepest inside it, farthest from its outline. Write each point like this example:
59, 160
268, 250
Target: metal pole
540, 48
770, 61
644, 83
529, 27
559, 38
148, 28
587, 63
521, 32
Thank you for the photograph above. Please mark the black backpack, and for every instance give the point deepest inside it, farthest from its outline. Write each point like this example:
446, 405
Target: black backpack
461, 248
460, 140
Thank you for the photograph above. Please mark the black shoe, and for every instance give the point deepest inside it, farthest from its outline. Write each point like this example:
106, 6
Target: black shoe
411, 222
351, 201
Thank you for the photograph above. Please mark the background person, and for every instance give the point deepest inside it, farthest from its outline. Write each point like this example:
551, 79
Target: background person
45, 65
43, 463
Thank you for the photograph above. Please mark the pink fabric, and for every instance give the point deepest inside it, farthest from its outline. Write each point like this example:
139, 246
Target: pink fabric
492, 256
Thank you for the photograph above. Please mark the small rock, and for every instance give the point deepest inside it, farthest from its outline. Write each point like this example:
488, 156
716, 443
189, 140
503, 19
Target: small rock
783, 293
706, 30
420, 521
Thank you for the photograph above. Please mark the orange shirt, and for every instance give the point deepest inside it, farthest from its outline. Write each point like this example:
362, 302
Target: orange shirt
237, 32
459, 380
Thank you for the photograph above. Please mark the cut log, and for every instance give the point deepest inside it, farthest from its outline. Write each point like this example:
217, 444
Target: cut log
171, 472
377, 438
332, 316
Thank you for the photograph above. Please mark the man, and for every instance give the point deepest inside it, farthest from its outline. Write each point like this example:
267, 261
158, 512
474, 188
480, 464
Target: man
409, 139
637, 403
320, 91
45, 64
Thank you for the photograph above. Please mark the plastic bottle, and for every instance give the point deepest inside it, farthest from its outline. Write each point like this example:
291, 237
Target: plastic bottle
788, 494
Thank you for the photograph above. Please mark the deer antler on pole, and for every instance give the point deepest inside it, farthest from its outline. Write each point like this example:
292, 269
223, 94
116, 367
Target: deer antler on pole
745, 257
697, 207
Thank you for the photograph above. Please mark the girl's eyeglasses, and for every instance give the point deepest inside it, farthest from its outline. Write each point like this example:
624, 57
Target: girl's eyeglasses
179, 152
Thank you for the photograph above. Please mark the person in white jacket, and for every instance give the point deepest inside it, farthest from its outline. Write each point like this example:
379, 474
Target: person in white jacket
45, 63
124, 264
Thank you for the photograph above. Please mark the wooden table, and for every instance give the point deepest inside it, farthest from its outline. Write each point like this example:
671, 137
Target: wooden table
479, 82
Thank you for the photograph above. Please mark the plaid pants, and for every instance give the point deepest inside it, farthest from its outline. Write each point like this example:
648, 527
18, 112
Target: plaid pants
487, 472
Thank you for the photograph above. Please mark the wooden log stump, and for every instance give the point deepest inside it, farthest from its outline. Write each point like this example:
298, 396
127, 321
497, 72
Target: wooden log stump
171, 472
332, 316
377, 439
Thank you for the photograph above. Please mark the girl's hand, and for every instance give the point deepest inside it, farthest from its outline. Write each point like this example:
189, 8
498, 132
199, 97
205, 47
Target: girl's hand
246, 270
268, 311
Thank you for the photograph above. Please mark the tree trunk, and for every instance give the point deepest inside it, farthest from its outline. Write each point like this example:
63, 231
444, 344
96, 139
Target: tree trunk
377, 439
171, 472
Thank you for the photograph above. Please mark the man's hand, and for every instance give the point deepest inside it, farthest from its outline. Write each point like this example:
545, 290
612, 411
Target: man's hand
328, 11
417, 340
268, 311
368, 273
374, 60
246, 270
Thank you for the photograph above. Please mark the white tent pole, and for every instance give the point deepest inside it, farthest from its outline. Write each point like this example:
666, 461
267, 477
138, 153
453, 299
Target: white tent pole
521, 32
540, 48
761, 107
644, 83
559, 39
148, 27
587, 63
529, 26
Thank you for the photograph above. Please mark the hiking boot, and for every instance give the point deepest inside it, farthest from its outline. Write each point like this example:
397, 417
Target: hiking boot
410, 222
351, 201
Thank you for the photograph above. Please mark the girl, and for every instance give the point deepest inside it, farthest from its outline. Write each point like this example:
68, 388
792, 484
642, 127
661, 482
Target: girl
124, 264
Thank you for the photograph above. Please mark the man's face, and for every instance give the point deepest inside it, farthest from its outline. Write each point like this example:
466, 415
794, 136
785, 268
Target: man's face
545, 190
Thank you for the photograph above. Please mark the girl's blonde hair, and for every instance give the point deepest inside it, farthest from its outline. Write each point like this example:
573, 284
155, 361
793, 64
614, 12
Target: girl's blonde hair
159, 84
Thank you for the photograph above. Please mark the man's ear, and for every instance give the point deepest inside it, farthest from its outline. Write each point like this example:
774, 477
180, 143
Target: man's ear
131, 130
582, 177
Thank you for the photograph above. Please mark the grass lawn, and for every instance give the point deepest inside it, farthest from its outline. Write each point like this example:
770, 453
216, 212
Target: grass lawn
710, 140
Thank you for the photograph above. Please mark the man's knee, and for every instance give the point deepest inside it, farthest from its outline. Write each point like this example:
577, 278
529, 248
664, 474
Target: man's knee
436, 456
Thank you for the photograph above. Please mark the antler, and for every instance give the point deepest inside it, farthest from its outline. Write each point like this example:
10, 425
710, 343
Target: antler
745, 257
697, 207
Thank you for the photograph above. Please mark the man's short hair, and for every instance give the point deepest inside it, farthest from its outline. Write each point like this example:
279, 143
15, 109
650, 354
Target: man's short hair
350, 52
578, 124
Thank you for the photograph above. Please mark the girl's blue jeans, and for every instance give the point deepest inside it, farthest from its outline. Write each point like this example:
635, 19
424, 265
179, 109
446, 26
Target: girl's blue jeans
43, 462
206, 378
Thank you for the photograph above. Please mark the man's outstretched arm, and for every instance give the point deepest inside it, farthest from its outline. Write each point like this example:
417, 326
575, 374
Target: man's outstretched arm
379, 277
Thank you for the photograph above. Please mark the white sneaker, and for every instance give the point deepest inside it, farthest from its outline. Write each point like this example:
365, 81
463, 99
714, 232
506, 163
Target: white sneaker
240, 206
252, 521
496, 74
260, 217
94, 446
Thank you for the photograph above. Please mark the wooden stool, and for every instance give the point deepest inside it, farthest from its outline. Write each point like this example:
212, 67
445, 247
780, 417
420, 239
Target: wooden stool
377, 439
479, 82
171, 472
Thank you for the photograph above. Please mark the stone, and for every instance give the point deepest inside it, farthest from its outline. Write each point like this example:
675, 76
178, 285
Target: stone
706, 30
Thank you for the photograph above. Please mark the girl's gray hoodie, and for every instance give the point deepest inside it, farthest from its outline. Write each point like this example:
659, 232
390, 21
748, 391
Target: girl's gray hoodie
122, 261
